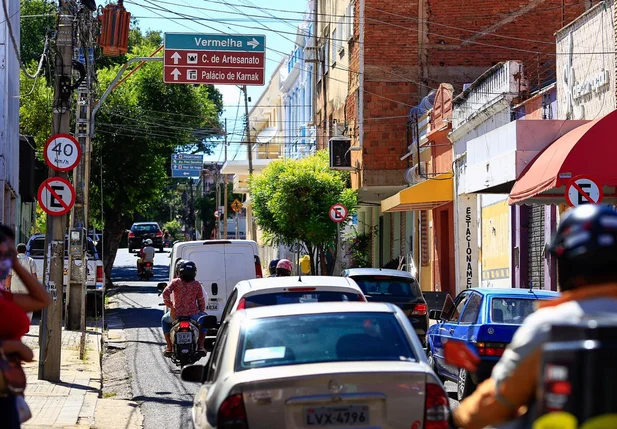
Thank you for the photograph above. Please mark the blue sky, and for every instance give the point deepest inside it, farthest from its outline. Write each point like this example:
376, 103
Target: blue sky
227, 16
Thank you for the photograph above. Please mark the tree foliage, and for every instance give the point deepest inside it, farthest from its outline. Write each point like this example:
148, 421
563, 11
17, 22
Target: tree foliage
40, 22
291, 200
140, 125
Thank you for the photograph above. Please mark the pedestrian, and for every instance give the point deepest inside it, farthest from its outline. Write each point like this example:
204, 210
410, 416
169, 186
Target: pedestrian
14, 324
585, 246
14, 283
166, 238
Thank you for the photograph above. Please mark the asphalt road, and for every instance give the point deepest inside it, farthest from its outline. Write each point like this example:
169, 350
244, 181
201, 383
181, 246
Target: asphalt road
155, 381
165, 400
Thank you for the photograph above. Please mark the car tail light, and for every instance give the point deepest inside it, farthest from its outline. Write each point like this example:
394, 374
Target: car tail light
491, 349
99, 274
185, 324
232, 414
436, 407
159, 234
258, 271
301, 289
148, 264
361, 297
419, 310
131, 234
242, 304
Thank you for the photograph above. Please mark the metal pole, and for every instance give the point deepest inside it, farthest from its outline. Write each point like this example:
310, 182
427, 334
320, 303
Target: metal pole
218, 202
248, 131
225, 190
50, 334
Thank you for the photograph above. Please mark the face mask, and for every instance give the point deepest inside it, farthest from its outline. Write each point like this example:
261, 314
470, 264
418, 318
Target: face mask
5, 268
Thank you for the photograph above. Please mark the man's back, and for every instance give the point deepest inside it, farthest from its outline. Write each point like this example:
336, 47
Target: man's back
148, 254
17, 286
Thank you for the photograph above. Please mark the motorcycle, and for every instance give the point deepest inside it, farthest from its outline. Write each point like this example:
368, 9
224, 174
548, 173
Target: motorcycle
147, 270
184, 337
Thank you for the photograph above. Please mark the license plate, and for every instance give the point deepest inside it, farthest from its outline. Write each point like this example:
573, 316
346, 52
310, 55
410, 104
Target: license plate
212, 306
337, 416
184, 337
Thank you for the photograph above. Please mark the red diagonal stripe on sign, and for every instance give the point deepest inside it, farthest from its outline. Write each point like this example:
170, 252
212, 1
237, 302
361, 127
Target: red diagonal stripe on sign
56, 196
583, 193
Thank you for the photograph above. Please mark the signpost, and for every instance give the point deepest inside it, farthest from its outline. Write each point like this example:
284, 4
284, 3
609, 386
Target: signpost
56, 196
186, 165
191, 58
338, 213
62, 152
583, 190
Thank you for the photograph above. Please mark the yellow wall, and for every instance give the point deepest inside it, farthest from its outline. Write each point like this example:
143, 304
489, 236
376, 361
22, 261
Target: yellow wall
496, 244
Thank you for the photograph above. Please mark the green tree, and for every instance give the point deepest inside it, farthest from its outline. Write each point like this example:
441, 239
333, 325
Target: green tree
291, 201
140, 125
41, 23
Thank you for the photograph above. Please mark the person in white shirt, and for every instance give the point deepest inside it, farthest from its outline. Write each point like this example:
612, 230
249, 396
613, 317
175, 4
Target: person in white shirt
14, 283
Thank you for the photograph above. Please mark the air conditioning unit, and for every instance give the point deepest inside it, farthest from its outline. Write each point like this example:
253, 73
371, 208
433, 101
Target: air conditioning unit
340, 154
416, 174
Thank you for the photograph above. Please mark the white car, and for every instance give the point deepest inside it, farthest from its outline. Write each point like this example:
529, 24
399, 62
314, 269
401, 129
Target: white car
291, 290
320, 365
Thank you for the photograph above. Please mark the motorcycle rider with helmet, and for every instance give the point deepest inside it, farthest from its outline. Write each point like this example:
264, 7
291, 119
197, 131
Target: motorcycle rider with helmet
146, 254
272, 267
184, 296
284, 268
585, 246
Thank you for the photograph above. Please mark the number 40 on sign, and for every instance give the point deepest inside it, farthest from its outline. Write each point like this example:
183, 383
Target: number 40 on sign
62, 152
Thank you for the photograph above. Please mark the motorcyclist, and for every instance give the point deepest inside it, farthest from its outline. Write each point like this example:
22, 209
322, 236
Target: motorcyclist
585, 246
146, 254
284, 268
184, 296
272, 267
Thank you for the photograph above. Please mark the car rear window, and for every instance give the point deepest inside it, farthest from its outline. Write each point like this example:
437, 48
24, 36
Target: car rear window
36, 247
281, 298
511, 310
314, 338
145, 228
388, 286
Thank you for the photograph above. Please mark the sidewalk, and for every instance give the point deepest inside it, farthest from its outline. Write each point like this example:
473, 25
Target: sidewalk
72, 402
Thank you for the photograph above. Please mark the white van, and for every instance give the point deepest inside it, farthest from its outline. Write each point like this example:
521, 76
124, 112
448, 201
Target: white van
221, 264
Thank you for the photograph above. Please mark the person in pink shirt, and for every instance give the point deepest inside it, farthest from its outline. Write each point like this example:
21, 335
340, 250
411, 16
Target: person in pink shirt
184, 296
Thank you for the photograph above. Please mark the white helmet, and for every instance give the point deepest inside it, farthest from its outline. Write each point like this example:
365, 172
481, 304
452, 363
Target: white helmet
148, 242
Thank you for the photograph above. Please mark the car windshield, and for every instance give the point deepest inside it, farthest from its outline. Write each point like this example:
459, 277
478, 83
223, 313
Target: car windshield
511, 310
388, 286
280, 298
145, 228
314, 338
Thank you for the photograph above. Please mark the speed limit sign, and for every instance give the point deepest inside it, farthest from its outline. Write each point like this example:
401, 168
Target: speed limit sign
62, 152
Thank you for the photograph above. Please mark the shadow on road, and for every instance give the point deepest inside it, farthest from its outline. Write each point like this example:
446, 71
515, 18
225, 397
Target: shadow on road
182, 403
127, 273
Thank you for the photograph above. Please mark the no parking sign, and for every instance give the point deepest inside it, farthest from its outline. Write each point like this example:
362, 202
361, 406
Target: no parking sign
583, 190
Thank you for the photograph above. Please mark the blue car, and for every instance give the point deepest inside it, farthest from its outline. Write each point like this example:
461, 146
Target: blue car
484, 318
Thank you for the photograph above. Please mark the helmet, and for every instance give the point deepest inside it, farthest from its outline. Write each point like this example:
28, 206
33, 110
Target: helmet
273, 264
148, 242
586, 246
284, 267
186, 268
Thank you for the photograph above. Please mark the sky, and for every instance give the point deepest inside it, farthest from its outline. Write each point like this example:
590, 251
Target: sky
227, 17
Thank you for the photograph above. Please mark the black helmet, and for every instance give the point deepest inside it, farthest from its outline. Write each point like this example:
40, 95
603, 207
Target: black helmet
272, 267
586, 246
186, 268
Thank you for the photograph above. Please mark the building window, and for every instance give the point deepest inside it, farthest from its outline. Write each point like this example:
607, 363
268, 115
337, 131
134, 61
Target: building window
349, 14
335, 46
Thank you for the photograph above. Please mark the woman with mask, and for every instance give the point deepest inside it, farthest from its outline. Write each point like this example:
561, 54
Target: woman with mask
14, 321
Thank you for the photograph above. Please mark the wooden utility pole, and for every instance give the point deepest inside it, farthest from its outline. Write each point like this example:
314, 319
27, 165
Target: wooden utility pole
225, 190
53, 276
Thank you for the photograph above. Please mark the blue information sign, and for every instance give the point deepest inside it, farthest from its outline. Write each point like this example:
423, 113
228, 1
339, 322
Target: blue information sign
186, 165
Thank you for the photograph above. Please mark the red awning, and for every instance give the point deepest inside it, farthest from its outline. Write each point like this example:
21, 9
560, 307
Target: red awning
590, 150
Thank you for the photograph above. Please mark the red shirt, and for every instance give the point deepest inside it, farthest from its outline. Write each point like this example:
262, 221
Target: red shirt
14, 322
186, 298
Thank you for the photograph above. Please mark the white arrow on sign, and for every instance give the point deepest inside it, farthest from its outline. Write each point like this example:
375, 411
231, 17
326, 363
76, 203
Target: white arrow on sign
254, 43
176, 73
176, 57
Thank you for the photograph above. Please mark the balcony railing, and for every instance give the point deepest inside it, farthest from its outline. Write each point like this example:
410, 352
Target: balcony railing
504, 80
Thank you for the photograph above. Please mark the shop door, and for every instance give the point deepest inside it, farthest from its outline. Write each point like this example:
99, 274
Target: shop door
536, 247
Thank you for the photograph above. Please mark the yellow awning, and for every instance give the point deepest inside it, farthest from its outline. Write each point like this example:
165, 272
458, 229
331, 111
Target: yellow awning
431, 193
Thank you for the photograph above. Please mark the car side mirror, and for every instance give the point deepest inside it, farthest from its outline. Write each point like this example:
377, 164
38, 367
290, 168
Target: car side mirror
215, 289
161, 286
209, 322
209, 344
193, 373
434, 314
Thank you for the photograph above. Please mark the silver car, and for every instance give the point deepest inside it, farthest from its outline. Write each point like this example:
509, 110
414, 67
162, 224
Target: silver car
358, 365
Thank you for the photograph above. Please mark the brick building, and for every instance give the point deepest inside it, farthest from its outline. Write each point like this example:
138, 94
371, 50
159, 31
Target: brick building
399, 52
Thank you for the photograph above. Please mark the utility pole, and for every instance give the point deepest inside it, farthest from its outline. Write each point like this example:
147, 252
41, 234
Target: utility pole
250, 159
225, 190
78, 261
217, 183
50, 335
